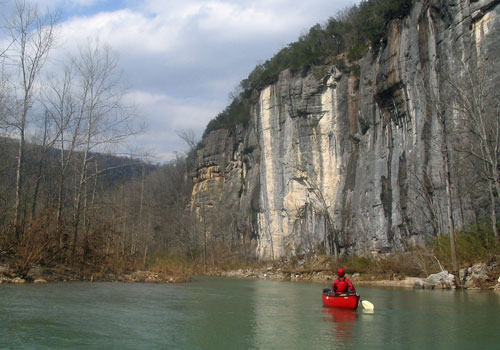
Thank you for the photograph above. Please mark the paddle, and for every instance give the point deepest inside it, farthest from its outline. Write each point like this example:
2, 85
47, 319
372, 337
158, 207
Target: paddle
367, 305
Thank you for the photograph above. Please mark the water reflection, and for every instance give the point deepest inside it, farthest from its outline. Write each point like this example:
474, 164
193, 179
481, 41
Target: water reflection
284, 316
341, 316
343, 325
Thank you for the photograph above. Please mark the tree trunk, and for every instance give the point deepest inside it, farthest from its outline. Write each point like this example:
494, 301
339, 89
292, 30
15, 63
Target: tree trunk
78, 202
19, 185
493, 211
449, 198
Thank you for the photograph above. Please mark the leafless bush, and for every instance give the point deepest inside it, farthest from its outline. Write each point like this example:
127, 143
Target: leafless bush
37, 243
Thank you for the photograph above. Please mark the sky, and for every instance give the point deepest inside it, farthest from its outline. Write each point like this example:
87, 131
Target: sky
182, 58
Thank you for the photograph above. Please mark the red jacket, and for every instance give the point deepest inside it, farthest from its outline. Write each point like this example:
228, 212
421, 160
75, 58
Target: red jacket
343, 285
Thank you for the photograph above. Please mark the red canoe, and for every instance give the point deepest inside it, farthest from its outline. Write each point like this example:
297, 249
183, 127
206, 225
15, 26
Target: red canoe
342, 301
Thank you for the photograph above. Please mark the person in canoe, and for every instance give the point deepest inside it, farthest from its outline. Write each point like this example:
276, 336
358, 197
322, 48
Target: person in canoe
342, 284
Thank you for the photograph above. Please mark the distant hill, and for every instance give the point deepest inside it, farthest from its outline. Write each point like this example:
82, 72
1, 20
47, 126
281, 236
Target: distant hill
114, 170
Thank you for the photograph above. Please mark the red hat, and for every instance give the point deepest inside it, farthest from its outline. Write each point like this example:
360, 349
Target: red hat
341, 272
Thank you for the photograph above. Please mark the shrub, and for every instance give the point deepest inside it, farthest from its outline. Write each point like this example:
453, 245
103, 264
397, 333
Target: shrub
474, 244
238, 112
37, 242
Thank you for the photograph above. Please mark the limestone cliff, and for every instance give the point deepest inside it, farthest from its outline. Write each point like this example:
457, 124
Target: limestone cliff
349, 156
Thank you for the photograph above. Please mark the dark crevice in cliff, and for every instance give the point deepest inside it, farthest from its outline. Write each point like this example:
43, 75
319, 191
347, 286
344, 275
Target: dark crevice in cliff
392, 102
386, 194
405, 226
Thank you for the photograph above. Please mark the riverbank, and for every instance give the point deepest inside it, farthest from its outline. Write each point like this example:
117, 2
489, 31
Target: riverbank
480, 276
45, 274
321, 269
306, 275
430, 282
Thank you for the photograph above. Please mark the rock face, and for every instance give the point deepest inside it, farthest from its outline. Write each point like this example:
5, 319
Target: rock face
350, 158
441, 280
475, 276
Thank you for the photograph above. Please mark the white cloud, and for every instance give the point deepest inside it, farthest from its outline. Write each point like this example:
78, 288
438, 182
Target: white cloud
60, 4
168, 115
183, 57
123, 29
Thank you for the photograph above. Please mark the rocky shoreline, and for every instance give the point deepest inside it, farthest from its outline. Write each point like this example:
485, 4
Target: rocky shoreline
40, 274
477, 277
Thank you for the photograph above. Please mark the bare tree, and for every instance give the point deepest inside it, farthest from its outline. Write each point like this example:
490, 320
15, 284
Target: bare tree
438, 105
189, 137
424, 200
322, 207
477, 105
107, 121
32, 36
60, 105
44, 143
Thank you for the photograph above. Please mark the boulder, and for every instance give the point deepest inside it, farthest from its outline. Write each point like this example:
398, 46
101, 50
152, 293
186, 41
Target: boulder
476, 276
440, 280
497, 287
18, 280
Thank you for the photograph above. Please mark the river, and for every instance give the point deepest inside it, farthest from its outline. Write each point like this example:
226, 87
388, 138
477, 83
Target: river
217, 313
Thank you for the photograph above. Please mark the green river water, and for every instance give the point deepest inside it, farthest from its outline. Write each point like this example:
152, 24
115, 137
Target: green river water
216, 313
